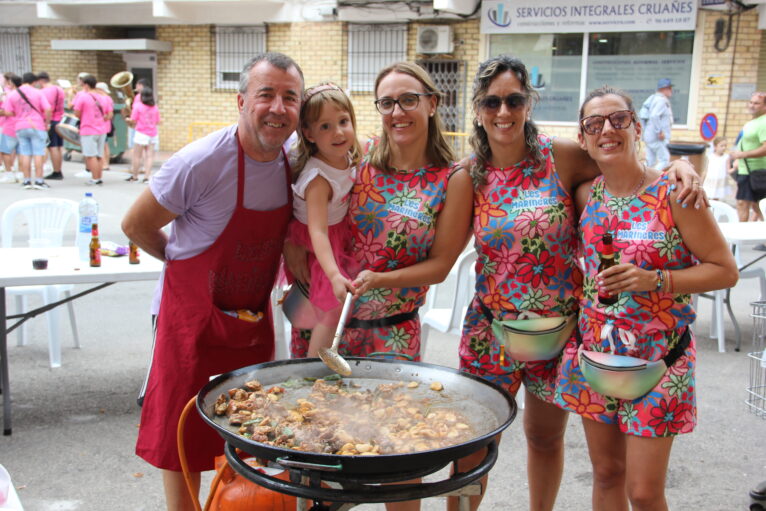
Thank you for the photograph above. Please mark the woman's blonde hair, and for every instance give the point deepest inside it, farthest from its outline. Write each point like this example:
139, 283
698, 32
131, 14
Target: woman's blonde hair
438, 150
314, 98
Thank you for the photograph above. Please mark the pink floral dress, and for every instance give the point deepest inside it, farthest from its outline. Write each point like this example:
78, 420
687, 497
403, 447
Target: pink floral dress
644, 324
526, 239
393, 224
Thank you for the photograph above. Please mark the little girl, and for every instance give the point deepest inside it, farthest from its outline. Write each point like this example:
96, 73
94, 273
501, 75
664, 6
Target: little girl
145, 117
718, 185
327, 155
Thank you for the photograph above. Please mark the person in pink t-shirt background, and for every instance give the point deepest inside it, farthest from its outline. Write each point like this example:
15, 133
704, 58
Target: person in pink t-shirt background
32, 112
145, 117
56, 97
95, 112
8, 140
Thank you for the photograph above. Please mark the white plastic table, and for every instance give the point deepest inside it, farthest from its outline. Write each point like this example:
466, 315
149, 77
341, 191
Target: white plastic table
737, 234
64, 267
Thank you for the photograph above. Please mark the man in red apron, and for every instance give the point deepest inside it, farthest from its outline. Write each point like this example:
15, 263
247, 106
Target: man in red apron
228, 197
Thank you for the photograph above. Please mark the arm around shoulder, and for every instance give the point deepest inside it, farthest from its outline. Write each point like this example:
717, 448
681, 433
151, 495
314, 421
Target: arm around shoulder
573, 163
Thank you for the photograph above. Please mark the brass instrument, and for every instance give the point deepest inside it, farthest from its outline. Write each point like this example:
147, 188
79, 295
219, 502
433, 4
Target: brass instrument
123, 82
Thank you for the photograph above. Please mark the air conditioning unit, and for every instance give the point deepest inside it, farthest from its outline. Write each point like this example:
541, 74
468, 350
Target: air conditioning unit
434, 39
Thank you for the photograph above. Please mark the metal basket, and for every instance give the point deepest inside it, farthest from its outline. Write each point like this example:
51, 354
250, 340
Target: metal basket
756, 390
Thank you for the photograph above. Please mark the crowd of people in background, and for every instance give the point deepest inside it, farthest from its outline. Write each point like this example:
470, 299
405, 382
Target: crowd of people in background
32, 107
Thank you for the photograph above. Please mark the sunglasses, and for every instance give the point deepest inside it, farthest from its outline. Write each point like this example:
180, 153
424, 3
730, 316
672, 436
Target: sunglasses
512, 101
407, 101
620, 120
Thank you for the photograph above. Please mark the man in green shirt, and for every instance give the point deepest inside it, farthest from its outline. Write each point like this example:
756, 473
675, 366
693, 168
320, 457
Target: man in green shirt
751, 154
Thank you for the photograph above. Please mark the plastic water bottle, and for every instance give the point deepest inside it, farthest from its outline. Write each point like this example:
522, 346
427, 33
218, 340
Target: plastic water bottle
88, 217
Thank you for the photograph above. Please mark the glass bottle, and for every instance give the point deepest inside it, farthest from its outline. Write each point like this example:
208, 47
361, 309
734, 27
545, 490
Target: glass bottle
95, 247
607, 261
133, 253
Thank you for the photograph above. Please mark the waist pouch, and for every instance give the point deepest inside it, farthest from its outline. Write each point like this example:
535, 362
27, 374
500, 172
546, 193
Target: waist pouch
626, 377
533, 339
369, 324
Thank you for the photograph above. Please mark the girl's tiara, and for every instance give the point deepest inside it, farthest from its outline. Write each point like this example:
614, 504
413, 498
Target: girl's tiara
311, 91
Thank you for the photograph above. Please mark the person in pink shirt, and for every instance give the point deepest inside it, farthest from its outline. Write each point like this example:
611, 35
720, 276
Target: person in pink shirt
146, 117
32, 113
56, 97
103, 89
8, 141
94, 111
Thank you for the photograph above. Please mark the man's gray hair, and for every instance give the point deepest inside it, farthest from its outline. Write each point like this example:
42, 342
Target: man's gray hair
278, 60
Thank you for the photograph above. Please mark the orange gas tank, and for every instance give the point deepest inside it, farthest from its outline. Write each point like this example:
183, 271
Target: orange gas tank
235, 493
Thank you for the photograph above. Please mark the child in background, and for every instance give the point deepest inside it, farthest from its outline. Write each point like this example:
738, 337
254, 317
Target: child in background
145, 117
718, 184
326, 159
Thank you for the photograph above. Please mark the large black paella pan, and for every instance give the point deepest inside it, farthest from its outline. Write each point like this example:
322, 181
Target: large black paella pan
488, 407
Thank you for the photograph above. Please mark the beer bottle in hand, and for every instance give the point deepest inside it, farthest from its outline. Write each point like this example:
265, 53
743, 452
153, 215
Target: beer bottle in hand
95, 247
607, 261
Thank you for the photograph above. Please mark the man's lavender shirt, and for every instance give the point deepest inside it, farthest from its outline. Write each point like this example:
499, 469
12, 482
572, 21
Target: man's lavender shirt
199, 184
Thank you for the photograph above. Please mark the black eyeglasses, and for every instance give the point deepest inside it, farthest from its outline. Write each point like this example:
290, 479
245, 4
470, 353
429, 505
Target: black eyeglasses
512, 101
407, 101
620, 120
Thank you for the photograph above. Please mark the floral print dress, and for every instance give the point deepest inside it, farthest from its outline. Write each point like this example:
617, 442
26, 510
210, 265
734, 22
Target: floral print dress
393, 225
526, 239
643, 324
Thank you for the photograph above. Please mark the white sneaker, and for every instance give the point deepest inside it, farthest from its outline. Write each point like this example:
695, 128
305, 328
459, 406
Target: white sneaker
19, 176
7, 177
92, 182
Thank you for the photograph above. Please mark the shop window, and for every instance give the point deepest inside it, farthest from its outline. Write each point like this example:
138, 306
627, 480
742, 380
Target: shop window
632, 61
234, 47
15, 56
554, 62
370, 49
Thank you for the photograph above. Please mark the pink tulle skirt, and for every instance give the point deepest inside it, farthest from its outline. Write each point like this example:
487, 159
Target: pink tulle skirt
320, 289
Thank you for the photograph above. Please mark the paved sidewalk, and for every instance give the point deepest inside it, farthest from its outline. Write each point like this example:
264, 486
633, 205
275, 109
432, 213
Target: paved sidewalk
75, 427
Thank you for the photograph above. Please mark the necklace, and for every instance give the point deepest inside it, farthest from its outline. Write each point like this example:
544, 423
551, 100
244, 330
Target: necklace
621, 203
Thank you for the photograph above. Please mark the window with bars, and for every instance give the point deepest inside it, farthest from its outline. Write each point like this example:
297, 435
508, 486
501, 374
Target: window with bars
370, 49
234, 47
15, 55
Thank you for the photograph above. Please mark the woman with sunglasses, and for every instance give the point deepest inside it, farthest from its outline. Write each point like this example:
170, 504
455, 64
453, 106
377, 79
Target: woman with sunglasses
664, 252
525, 236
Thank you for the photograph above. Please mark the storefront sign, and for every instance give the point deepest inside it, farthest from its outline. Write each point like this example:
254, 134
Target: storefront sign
709, 126
567, 16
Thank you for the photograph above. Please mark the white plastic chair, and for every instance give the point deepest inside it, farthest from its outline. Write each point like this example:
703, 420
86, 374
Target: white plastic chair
459, 287
46, 218
725, 213
282, 327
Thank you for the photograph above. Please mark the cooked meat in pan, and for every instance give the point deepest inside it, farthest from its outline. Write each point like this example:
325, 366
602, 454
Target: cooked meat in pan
340, 417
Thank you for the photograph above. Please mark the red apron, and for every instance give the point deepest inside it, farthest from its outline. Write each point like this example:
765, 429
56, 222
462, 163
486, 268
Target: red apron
195, 340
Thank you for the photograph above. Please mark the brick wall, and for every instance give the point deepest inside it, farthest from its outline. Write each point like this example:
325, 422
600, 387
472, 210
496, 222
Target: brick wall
58, 63
187, 99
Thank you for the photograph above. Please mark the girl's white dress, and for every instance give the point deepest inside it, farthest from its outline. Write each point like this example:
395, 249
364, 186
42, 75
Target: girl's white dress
718, 185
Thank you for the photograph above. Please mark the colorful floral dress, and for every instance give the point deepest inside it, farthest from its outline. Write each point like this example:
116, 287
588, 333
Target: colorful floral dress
393, 225
526, 239
644, 324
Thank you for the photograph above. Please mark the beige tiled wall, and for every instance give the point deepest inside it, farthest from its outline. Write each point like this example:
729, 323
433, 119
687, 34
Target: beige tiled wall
188, 98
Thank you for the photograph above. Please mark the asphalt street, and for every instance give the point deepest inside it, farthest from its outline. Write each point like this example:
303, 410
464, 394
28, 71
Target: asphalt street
74, 428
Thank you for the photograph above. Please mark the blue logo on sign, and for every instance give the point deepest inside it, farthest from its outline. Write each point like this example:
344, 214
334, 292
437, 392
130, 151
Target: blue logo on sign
499, 16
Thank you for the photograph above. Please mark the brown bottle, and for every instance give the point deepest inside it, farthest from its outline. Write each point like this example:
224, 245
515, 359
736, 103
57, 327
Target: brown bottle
607, 261
133, 253
95, 247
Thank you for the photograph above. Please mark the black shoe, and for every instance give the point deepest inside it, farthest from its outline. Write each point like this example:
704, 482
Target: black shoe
55, 176
761, 247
